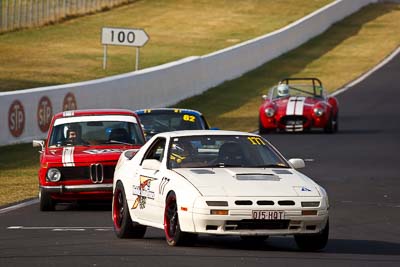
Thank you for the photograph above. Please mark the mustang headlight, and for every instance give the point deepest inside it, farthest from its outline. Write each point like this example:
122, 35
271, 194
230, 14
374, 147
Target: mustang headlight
269, 112
53, 175
318, 112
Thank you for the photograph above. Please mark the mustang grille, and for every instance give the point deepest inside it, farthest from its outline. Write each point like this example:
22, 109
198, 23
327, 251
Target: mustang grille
83, 172
257, 224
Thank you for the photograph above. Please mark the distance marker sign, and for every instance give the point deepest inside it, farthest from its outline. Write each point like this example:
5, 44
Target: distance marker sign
126, 37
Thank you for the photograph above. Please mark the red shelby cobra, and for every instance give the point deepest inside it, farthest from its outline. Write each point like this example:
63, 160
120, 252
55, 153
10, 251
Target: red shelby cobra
81, 151
298, 104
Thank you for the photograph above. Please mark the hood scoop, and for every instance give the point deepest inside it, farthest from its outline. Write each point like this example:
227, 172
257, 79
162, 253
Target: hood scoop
282, 172
257, 177
200, 171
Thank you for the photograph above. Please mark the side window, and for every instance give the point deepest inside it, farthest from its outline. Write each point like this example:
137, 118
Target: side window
156, 151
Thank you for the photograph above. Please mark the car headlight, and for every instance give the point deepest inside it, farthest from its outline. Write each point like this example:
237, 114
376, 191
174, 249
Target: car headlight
318, 112
269, 112
53, 175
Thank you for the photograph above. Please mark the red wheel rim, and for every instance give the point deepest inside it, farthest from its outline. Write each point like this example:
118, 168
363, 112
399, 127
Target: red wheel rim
118, 209
171, 218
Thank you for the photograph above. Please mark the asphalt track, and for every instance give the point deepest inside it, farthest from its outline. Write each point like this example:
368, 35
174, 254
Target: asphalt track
359, 167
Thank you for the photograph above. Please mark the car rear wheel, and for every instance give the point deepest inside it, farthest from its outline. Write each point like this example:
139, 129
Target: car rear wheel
124, 227
313, 242
173, 234
46, 203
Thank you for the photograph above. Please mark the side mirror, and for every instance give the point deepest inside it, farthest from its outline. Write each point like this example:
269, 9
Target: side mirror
151, 164
297, 163
38, 143
264, 97
130, 153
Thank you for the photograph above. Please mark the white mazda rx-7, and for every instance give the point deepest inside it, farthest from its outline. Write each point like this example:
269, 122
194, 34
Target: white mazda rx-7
219, 183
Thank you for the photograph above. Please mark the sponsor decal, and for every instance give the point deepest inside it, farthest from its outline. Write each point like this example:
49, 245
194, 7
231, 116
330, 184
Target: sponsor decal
305, 189
143, 192
69, 102
162, 185
16, 118
103, 151
68, 157
254, 140
44, 113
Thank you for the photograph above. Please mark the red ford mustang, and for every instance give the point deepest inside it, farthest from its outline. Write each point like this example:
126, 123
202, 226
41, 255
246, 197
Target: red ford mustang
298, 104
81, 151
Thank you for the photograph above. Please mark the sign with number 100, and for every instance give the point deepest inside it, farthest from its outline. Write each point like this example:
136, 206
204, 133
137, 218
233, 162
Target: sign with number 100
126, 37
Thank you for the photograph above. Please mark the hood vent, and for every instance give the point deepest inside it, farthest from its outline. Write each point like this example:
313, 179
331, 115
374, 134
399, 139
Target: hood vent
200, 171
282, 172
257, 177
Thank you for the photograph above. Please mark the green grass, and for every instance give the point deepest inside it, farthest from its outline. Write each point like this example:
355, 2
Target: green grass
19, 165
71, 51
338, 56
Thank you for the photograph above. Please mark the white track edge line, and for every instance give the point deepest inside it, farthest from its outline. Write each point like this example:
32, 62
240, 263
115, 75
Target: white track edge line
20, 205
368, 73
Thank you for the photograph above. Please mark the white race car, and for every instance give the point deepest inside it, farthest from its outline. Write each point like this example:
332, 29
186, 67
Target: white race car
219, 183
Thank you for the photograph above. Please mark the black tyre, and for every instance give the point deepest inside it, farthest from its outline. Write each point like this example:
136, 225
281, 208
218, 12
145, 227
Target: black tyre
336, 123
46, 203
329, 127
313, 242
124, 227
173, 234
261, 129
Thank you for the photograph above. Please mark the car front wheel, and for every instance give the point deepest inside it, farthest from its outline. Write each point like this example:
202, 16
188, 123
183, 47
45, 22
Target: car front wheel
46, 203
313, 242
124, 227
173, 234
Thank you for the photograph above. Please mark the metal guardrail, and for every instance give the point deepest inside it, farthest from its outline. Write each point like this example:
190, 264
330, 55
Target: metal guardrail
19, 14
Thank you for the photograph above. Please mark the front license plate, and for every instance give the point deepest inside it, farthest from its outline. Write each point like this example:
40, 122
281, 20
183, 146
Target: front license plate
268, 214
294, 123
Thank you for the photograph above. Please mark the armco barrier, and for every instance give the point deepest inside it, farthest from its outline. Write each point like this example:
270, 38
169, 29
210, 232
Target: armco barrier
25, 114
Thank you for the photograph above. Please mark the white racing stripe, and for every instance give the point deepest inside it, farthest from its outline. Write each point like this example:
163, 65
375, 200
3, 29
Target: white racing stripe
68, 157
291, 106
299, 108
295, 105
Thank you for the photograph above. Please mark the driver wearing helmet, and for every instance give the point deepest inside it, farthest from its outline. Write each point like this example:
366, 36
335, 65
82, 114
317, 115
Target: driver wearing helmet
282, 90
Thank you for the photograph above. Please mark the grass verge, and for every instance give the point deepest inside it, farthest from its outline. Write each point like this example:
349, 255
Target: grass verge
338, 56
72, 52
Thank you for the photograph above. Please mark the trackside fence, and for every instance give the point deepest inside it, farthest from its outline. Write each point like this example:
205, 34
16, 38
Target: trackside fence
18, 14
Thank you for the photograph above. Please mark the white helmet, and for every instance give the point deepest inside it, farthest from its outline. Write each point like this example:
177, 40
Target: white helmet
283, 90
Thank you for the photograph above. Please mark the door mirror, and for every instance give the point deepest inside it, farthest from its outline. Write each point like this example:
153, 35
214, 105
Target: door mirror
38, 143
264, 97
151, 164
297, 163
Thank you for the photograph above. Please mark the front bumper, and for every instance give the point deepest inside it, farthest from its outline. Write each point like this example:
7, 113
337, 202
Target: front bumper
239, 219
294, 223
77, 188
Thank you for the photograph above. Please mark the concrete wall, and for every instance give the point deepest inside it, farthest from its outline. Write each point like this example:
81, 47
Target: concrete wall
25, 114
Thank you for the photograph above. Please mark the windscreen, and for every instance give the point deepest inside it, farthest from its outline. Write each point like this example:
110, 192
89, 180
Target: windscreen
223, 151
99, 132
157, 122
